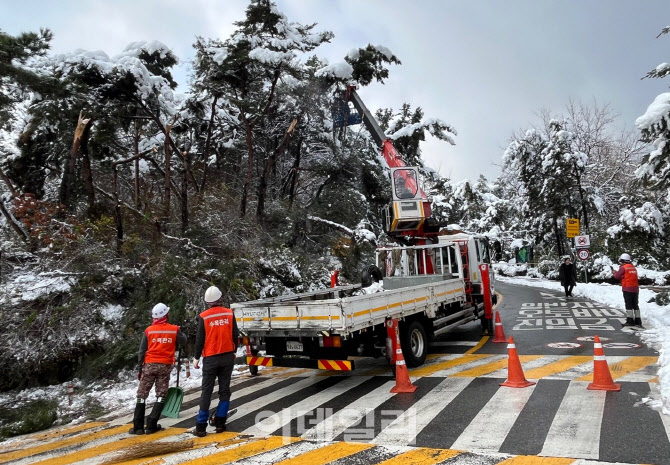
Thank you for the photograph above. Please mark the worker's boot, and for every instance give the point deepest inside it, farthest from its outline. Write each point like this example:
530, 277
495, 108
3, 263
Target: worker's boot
201, 424
221, 416
629, 323
138, 418
154, 416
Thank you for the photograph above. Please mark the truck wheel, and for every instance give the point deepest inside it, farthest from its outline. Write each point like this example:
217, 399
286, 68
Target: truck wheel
414, 344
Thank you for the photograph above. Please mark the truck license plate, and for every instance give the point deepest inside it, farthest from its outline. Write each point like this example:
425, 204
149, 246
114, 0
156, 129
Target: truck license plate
294, 346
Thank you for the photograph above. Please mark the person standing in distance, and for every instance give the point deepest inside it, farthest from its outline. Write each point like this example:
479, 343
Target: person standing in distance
568, 276
216, 342
627, 274
155, 357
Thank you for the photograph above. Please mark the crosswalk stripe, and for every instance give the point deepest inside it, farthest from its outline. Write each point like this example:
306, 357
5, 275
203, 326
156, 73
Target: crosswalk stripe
63, 443
110, 447
236, 394
326, 454
340, 421
624, 367
493, 366
421, 456
488, 430
556, 367
535, 460
192, 447
254, 447
453, 343
451, 362
268, 399
403, 430
575, 429
280, 419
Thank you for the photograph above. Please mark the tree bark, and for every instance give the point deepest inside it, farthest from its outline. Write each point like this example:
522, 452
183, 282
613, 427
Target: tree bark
9, 184
184, 199
69, 173
12, 222
87, 174
166, 198
250, 168
117, 212
263, 185
208, 144
559, 242
294, 175
136, 145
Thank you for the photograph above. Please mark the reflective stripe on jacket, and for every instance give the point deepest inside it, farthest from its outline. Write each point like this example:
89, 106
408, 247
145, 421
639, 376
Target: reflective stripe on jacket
218, 322
162, 343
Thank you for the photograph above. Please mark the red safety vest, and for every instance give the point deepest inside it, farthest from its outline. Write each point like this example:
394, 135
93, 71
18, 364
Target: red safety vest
162, 341
630, 276
218, 331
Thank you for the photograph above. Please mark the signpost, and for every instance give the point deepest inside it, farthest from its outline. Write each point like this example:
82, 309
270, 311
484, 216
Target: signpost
572, 227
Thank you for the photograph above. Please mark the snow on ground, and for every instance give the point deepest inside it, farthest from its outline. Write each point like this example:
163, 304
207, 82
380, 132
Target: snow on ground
114, 397
654, 317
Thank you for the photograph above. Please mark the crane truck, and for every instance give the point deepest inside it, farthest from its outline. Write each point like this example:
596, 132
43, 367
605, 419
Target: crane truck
432, 283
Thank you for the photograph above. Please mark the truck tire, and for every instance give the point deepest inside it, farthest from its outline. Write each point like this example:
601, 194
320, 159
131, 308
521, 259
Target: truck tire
371, 274
414, 342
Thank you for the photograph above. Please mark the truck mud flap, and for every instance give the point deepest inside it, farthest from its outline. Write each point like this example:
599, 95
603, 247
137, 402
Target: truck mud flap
333, 365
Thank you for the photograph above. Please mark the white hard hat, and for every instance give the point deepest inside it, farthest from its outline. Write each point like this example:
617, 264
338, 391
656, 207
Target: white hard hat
159, 311
212, 294
625, 257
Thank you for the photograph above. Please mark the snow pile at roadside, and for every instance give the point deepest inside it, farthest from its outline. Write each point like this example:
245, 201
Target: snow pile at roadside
114, 397
655, 317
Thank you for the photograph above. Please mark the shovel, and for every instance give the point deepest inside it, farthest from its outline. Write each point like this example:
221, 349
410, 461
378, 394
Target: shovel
175, 396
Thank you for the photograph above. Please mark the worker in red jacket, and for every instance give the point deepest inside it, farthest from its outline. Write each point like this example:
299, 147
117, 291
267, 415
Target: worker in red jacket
156, 358
216, 342
627, 274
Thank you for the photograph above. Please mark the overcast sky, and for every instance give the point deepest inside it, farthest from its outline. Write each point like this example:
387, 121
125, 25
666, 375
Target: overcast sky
486, 67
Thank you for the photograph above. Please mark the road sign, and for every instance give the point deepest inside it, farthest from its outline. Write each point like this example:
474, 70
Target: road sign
572, 227
583, 254
582, 242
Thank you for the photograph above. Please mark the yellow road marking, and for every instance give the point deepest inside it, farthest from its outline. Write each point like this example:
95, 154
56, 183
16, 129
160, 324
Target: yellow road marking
249, 449
491, 367
220, 440
500, 299
64, 443
535, 460
43, 436
326, 454
624, 367
558, 366
422, 456
478, 346
430, 369
112, 446
655, 380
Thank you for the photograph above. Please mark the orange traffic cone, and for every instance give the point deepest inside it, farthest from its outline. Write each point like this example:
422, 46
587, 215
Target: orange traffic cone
499, 334
515, 376
402, 381
602, 378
